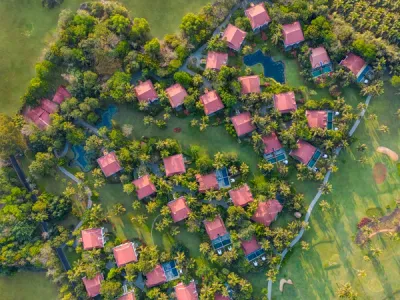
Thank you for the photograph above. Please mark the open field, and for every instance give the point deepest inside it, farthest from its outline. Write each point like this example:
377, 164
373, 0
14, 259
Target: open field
27, 27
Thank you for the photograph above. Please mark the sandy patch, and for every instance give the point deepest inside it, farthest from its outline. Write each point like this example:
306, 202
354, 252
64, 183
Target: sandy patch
379, 172
392, 155
282, 283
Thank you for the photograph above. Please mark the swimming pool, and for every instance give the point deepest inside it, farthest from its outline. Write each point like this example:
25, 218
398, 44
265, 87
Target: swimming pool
106, 116
320, 71
273, 69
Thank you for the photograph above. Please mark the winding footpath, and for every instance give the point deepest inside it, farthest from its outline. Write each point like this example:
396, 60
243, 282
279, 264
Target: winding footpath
317, 196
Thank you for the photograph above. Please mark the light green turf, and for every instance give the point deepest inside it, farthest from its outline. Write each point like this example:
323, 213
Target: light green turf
27, 286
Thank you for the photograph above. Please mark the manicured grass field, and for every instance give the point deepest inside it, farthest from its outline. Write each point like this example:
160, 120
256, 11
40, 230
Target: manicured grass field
334, 258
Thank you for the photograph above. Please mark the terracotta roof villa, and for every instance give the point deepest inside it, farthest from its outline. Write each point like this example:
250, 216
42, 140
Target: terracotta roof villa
273, 150
49, 106
211, 102
125, 254
292, 34
176, 94
317, 118
161, 274
258, 16
179, 209
174, 164
306, 153
215, 60
144, 187
145, 92
92, 238
241, 196
320, 62
92, 286
243, 124
186, 292
207, 182
356, 65
219, 236
285, 102
252, 249
234, 37
109, 164
128, 296
250, 84
267, 212
61, 95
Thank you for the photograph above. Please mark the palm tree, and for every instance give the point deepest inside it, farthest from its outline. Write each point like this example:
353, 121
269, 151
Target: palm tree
326, 188
346, 291
384, 129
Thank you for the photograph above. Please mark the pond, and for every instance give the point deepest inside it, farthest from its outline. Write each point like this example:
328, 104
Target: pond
106, 116
80, 158
273, 69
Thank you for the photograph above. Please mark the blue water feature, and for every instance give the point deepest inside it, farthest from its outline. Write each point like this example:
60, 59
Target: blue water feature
106, 116
80, 158
274, 69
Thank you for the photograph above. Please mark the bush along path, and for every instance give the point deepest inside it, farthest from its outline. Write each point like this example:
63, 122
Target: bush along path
317, 196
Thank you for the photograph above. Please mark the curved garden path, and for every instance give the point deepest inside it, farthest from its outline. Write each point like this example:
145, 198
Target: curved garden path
317, 196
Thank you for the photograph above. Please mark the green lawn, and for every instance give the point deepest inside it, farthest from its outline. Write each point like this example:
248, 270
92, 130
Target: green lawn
27, 286
334, 258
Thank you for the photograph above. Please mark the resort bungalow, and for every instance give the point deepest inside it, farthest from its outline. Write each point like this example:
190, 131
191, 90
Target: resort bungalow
179, 209
357, 66
92, 238
234, 37
38, 116
174, 164
273, 150
128, 296
61, 95
207, 182
93, 285
258, 16
243, 124
162, 274
145, 92
292, 35
241, 196
109, 164
211, 102
176, 95
306, 153
220, 297
219, 236
319, 118
144, 187
250, 84
252, 250
186, 292
215, 60
320, 62
49, 106
267, 212
285, 102
125, 254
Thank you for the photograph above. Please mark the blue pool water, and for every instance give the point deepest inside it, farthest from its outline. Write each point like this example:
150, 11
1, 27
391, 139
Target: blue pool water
80, 158
106, 116
274, 69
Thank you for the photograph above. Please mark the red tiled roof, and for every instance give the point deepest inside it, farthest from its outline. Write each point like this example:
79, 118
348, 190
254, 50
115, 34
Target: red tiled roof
179, 209
258, 15
207, 182
220, 297
49, 106
234, 36
93, 285
215, 228
241, 196
145, 91
319, 57
292, 33
39, 116
92, 238
212, 102
266, 212
317, 118
354, 63
124, 254
155, 277
215, 60
186, 292
304, 152
174, 164
250, 84
109, 164
61, 95
176, 94
285, 102
271, 143
144, 187
250, 246
243, 124
129, 296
